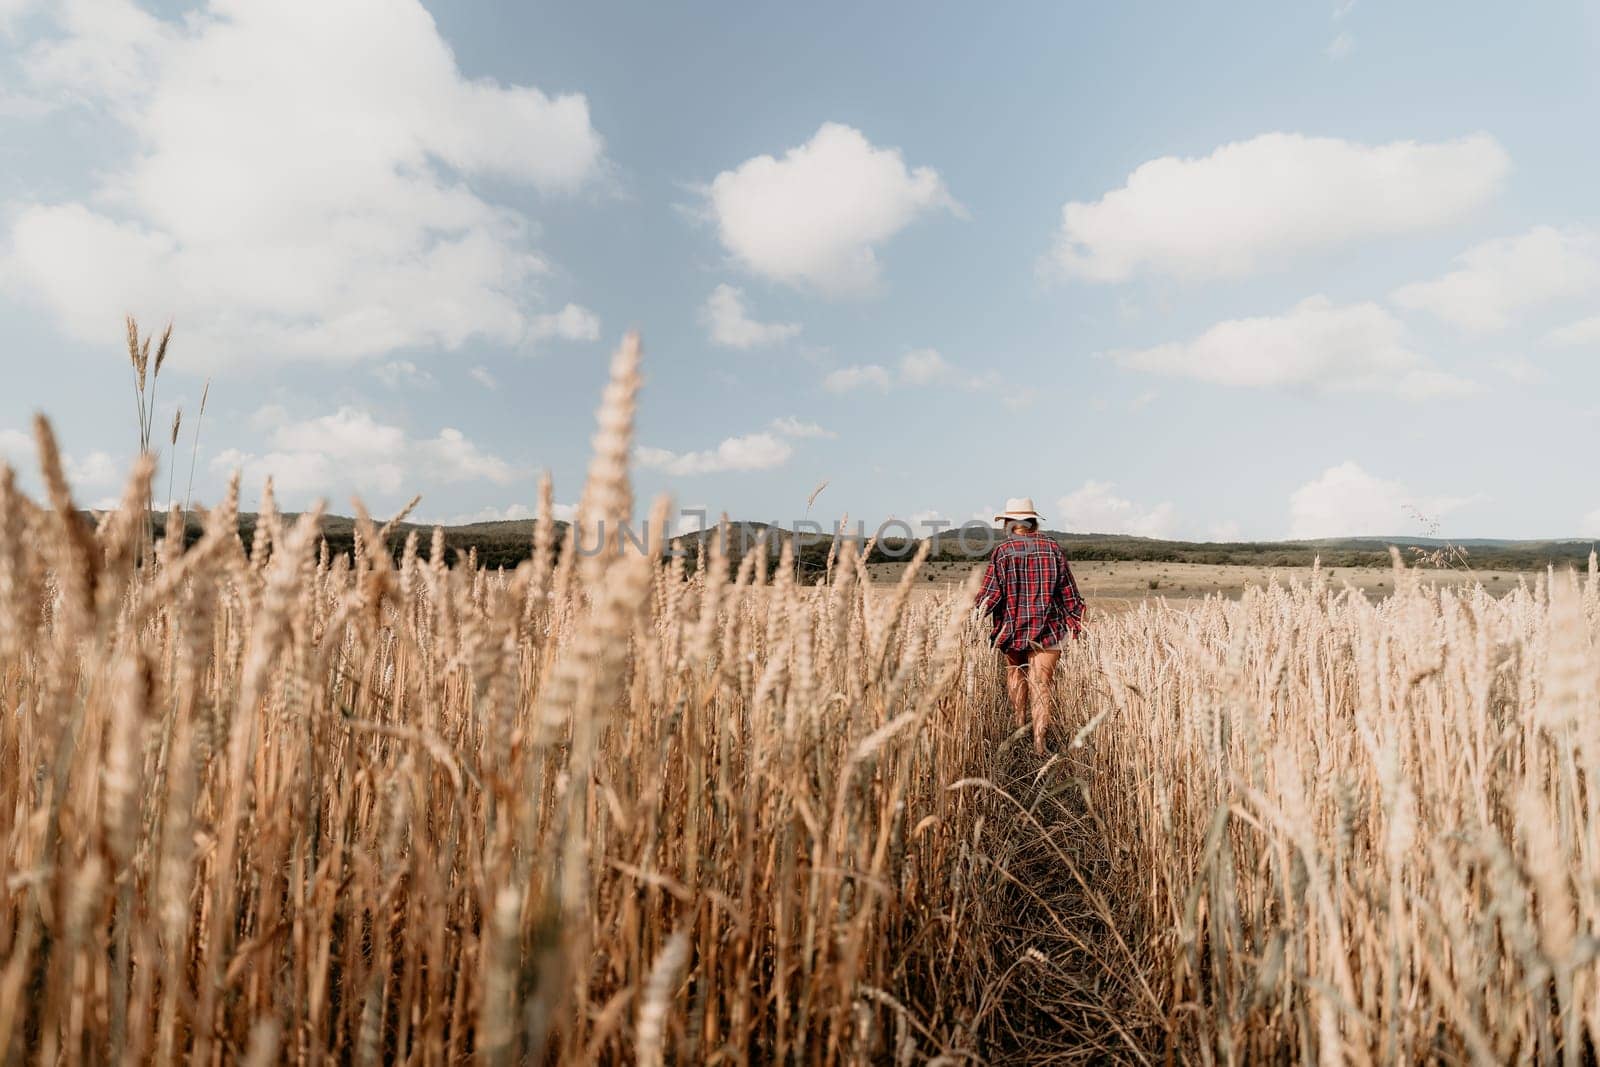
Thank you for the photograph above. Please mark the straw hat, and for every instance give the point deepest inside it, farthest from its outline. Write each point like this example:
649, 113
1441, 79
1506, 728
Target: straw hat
1019, 507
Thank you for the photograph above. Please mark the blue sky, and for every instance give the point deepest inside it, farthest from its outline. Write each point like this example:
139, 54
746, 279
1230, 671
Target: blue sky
1253, 270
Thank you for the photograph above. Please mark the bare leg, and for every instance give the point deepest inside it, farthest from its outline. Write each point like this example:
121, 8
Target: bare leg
1017, 687
1042, 665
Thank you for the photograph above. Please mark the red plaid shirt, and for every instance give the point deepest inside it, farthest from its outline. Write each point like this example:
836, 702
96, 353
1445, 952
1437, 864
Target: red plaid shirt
1030, 590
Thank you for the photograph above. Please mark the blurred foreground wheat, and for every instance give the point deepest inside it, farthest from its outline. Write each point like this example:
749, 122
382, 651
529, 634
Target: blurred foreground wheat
259, 802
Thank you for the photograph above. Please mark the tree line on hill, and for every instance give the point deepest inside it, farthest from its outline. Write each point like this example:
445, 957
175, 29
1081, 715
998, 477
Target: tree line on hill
506, 544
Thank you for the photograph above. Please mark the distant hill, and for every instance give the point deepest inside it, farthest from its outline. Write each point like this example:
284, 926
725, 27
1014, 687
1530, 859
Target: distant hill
505, 544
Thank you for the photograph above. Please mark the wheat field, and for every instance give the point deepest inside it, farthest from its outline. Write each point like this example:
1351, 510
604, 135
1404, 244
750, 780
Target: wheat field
259, 804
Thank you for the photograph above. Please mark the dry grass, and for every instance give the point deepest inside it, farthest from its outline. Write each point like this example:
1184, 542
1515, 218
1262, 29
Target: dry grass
260, 804
1121, 585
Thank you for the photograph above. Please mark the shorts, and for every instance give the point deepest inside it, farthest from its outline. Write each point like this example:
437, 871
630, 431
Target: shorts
1019, 658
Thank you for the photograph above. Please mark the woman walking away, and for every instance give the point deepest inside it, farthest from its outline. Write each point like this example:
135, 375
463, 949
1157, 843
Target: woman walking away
1030, 591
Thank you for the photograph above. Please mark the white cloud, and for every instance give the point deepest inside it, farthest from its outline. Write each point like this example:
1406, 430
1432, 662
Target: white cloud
12, 10
1226, 530
571, 323
1095, 508
299, 184
299, 474
92, 471
691, 518
816, 217
400, 373
1591, 524
348, 433
105, 51
1341, 46
751, 452
1583, 332
22, 106
858, 377
513, 513
923, 366
482, 376
1012, 394
17, 449
926, 367
730, 324
348, 447
1357, 347
926, 522
268, 417
85, 471
789, 426
452, 457
1018, 398
1346, 501
351, 450
1521, 370
1499, 278
1253, 202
